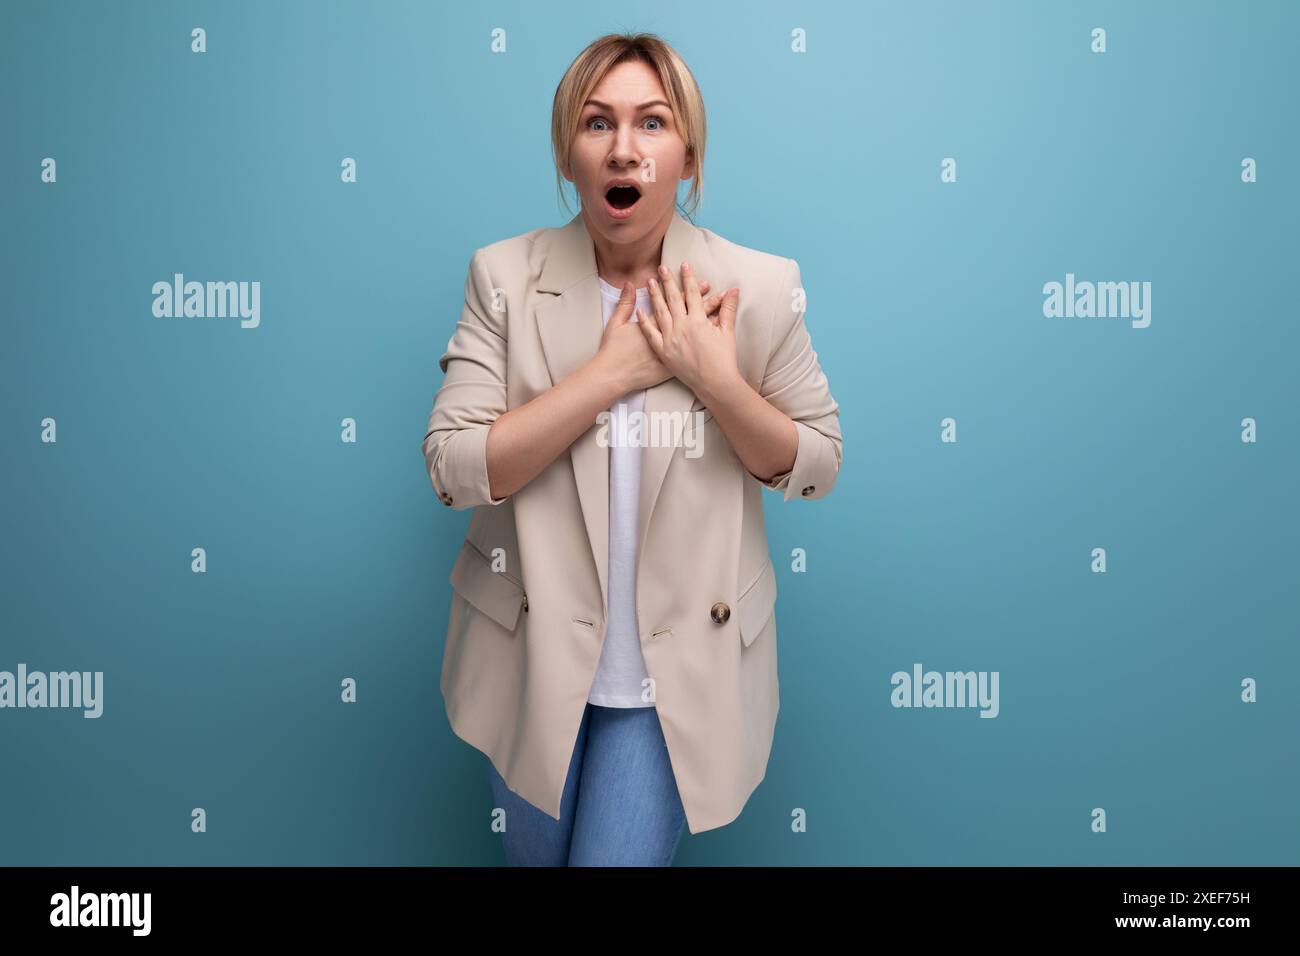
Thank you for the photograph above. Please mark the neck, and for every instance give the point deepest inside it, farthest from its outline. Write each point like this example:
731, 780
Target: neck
617, 262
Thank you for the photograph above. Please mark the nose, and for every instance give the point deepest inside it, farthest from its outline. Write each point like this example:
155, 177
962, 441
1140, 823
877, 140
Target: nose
624, 151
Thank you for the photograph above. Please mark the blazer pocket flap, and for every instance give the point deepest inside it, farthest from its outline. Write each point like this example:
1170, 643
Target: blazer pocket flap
755, 606
489, 591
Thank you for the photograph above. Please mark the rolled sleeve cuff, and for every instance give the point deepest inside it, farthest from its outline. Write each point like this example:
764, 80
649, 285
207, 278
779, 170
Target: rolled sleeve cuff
815, 467
464, 471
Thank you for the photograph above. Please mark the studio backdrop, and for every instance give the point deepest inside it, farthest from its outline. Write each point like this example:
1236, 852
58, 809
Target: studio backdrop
1047, 615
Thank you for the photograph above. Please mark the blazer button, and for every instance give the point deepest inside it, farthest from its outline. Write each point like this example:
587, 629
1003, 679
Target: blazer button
720, 613
525, 603
446, 499
809, 490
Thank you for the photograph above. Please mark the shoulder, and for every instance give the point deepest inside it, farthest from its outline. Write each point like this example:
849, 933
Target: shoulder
727, 253
763, 277
497, 269
512, 250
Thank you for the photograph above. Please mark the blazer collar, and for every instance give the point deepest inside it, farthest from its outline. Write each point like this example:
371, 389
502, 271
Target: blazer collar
570, 324
572, 254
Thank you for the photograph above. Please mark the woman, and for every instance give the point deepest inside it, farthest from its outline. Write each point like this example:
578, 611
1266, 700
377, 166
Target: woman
611, 645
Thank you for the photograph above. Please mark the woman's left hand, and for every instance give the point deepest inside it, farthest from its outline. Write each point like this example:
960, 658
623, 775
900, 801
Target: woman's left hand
698, 350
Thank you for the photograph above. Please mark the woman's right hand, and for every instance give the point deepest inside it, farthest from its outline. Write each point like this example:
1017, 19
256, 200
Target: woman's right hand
624, 352
527, 438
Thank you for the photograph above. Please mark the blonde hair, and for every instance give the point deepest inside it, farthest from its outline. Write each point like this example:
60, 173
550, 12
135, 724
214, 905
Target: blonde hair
589, 68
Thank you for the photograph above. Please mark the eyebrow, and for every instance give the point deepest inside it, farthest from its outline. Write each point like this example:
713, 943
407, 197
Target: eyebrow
643, 106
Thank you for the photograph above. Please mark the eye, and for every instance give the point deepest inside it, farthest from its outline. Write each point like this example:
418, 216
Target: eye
649, 119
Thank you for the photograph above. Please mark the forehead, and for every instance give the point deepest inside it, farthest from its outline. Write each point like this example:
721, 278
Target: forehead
628, 85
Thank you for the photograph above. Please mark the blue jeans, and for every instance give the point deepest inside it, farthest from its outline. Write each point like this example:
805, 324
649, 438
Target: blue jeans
620, 805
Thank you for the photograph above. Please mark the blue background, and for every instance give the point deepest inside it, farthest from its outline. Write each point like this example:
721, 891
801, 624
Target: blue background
325, 560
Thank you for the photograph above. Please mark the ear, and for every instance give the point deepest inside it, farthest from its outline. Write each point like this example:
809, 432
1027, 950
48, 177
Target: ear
688, 169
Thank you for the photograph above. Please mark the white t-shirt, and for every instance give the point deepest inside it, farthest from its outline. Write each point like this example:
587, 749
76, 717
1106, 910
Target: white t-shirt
619, 676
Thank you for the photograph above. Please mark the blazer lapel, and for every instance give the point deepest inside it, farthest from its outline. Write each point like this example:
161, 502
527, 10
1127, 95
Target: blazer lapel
570, 326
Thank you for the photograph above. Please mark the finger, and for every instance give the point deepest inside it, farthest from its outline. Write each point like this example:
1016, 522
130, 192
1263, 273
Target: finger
663, 318
673, 294
727, 314
645, 318
626, 303
652, 334
710, 307
691, 289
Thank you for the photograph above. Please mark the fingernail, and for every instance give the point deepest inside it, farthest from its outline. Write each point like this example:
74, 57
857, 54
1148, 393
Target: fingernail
686, 267
663, 270
653, 285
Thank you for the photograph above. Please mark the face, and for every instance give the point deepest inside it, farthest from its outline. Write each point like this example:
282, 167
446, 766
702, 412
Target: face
627, 132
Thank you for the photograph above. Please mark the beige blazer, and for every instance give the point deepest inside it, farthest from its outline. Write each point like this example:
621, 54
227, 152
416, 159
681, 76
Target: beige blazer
529, 600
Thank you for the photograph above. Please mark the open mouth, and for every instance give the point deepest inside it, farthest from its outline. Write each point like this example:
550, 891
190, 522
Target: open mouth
622, 197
